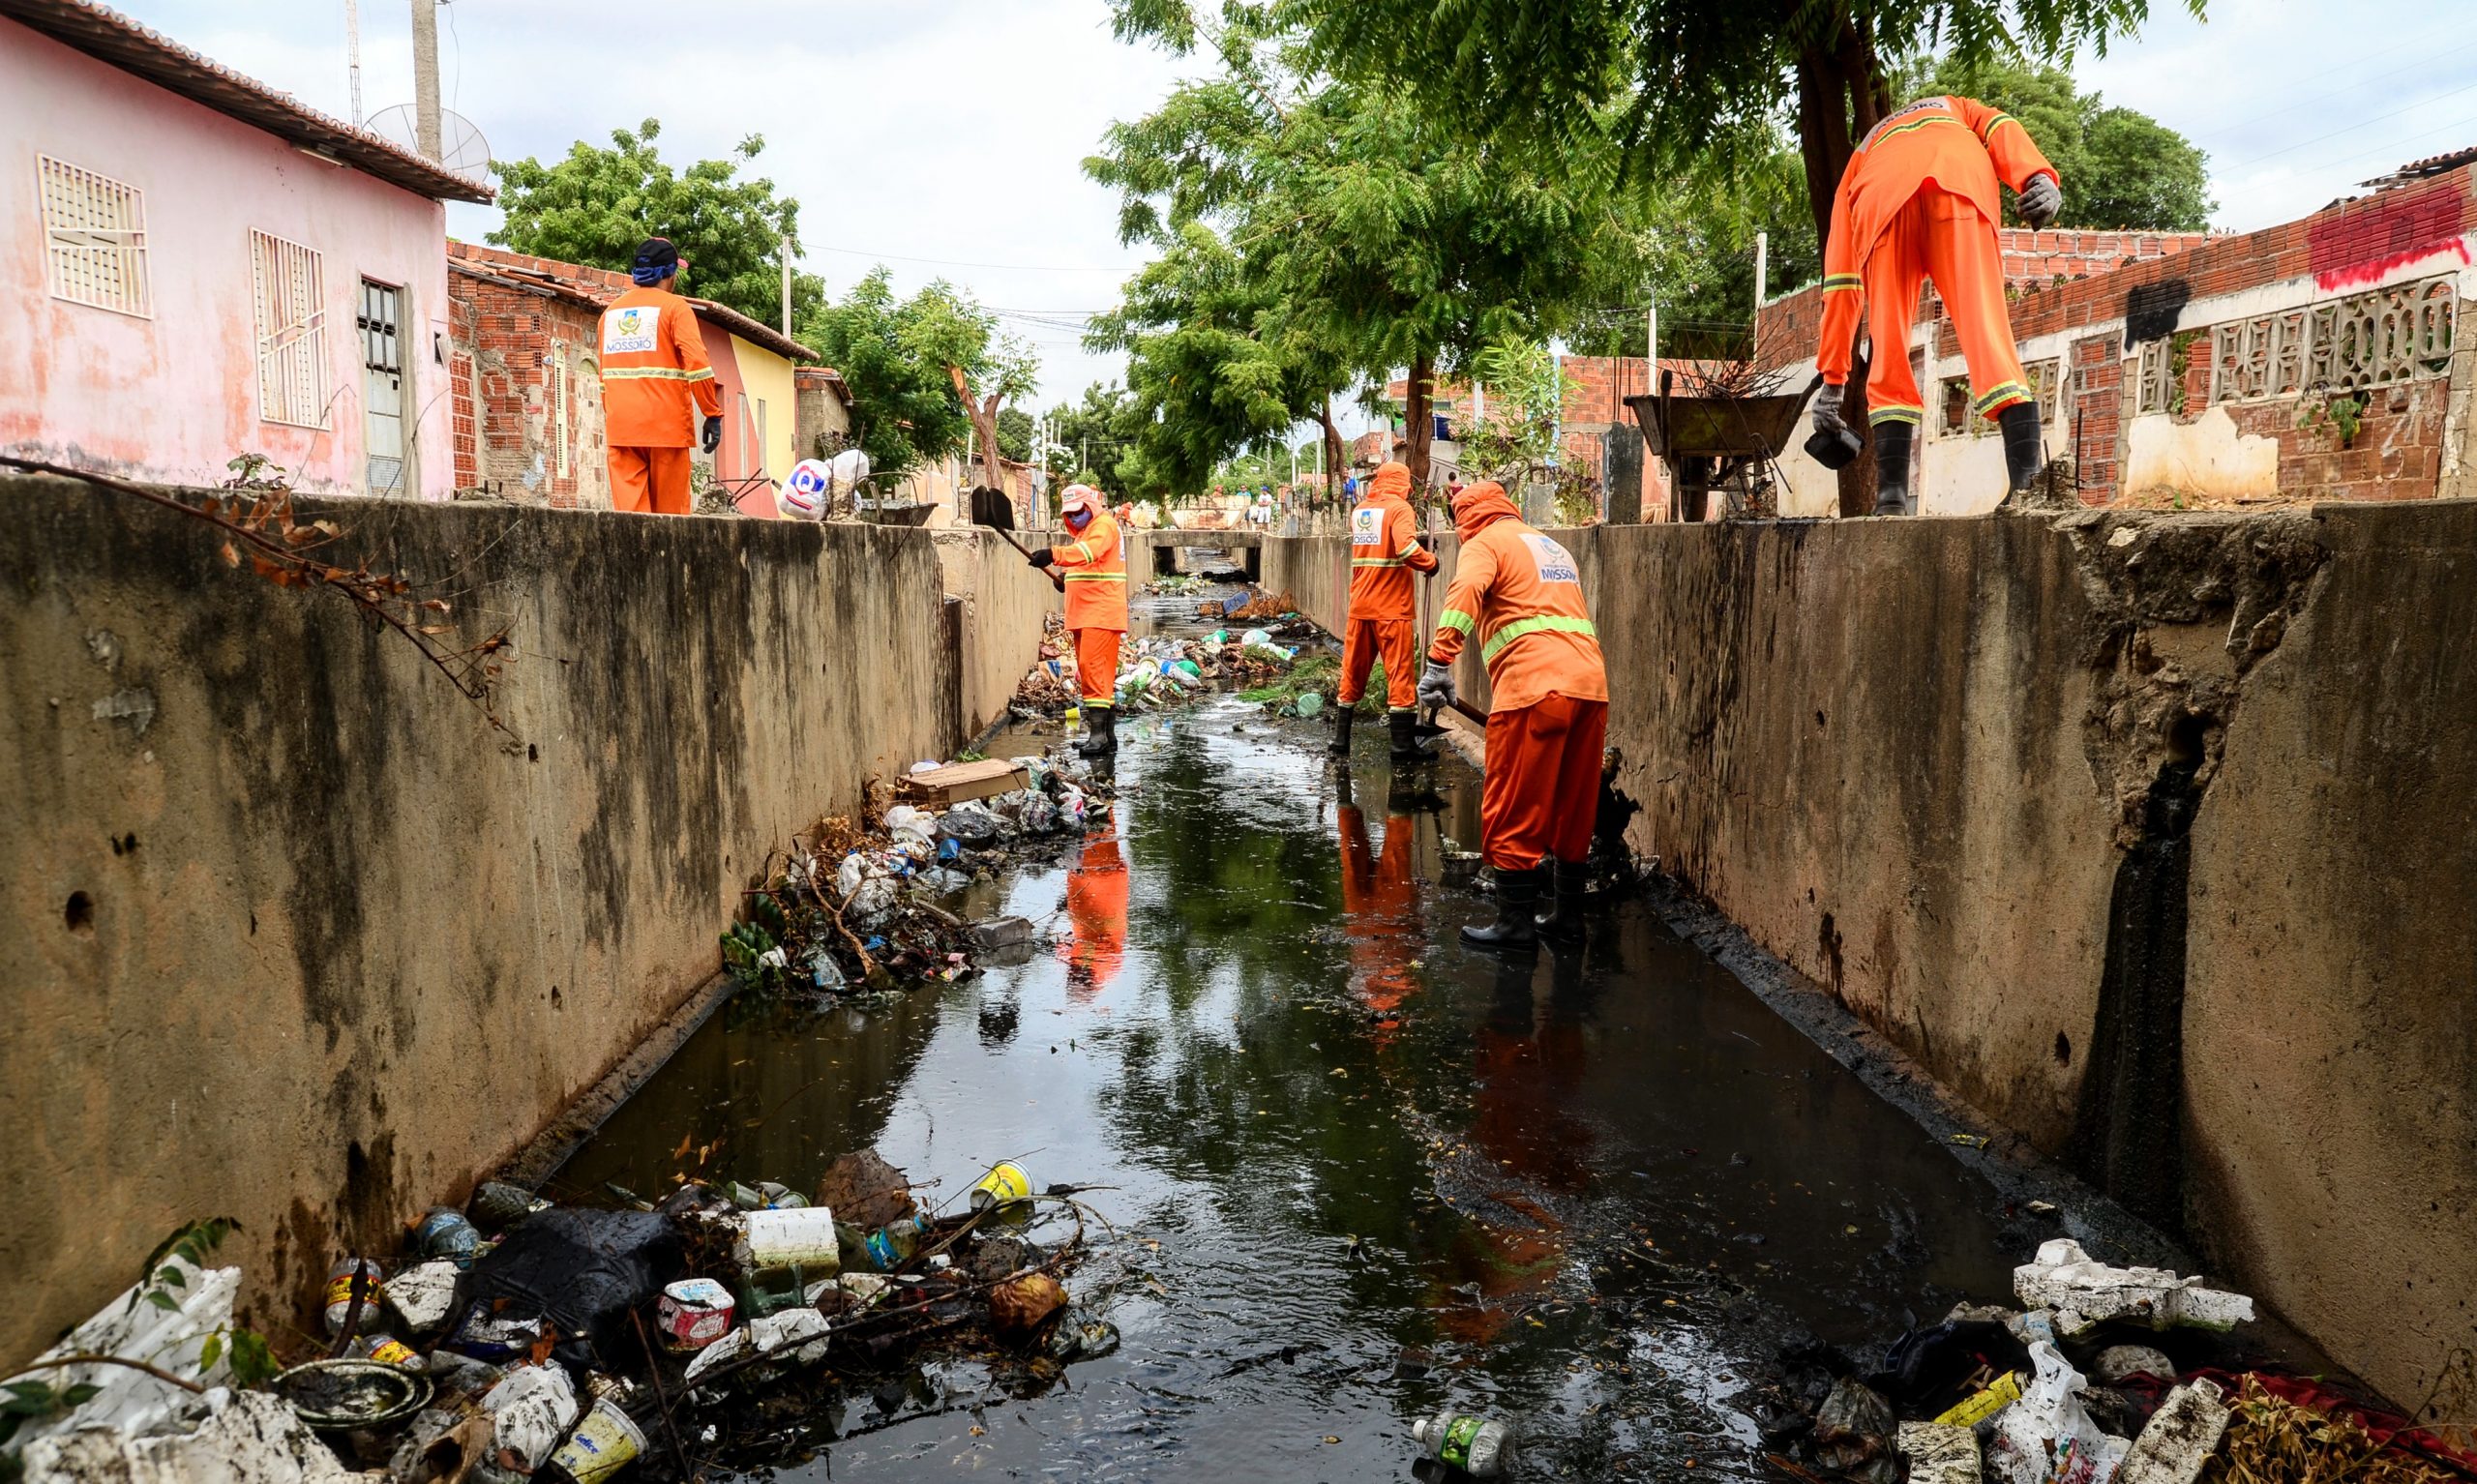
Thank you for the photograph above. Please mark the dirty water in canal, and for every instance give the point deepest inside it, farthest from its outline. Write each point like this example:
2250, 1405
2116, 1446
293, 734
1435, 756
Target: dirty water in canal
1358, 1171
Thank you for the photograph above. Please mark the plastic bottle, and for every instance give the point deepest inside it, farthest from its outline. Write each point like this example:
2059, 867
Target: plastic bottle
339, 1286
444, 1232
387, 1350
888, 1248
1475, 1445
498, 1205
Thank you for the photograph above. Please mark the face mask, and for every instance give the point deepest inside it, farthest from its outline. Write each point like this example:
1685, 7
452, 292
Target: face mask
1076, 520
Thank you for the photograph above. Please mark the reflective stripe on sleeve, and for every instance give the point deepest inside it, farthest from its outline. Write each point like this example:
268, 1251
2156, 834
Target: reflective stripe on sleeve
654, 373
1456, 619
1545, 624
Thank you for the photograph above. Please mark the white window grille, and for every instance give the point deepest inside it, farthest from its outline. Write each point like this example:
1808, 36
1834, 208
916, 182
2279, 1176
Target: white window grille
95, 235
560, 407
2155, 383
288, 292
2047, 390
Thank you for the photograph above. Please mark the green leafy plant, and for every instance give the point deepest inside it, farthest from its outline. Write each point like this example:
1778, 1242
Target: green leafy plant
2344, 415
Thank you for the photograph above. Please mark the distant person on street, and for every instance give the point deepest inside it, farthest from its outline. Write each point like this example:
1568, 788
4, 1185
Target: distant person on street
1917, 202
1383, 611
1094, 566
655, 382
1519, 595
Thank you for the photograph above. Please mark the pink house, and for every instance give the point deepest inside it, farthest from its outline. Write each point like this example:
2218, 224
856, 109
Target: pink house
192, 266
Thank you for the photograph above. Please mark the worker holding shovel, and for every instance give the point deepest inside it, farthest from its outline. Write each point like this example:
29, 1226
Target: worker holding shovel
1519, 594
1094, 566
1385, 551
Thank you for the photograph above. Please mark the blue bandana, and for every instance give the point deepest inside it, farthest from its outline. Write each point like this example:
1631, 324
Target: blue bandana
647, 278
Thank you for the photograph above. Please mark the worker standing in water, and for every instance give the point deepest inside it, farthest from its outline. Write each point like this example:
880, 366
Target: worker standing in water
1917, 202
1520, 596
1385, 551
1094, 566
655, 380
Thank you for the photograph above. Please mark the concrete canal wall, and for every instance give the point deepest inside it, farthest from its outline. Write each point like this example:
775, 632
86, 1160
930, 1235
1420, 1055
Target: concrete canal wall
297, 937
1986, 780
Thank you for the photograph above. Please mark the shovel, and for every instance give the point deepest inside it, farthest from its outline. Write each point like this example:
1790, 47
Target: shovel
1002, 519
1428, 729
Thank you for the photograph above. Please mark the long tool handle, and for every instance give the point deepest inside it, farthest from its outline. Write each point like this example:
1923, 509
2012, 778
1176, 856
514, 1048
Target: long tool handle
1007, 536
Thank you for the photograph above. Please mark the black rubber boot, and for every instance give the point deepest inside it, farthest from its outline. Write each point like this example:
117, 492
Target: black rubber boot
1892, 468
1406, 747
1341, 746
1102, 740
2023, 455
1517, 899
1564, 919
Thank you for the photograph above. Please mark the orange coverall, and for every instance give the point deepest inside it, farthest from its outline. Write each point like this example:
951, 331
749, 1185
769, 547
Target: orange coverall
1097, 895
1385, 552
655, 382
1380, 904
1520, 593
1918, 202
1094, 567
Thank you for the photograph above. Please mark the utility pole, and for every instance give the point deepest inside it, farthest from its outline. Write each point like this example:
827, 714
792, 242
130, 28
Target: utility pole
1762, 265
787, 285
426, 77
352, 54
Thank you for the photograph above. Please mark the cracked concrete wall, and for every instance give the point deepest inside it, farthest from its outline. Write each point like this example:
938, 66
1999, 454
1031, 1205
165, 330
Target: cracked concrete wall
1911, 758
297, 937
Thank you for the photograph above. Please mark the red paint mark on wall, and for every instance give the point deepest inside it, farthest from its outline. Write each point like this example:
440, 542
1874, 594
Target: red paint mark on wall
2357, 248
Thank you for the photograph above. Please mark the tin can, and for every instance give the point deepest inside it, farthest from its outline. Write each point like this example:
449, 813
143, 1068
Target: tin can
606, 1442
340, 1286
694, 1313
1006, 1184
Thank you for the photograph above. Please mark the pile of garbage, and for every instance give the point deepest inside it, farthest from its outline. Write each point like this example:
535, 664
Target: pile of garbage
846, 911
1255, 605
1160, 671
2076, 1387
1174, 586
572, 1345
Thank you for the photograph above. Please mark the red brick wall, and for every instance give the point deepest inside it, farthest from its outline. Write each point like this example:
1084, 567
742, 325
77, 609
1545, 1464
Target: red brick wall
508, 343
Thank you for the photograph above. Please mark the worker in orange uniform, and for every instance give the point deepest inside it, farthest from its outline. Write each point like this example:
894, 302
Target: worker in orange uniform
1519, 594
655, 379
1096, 895
1919, 201
1094, 566
1380, 908
1385, 551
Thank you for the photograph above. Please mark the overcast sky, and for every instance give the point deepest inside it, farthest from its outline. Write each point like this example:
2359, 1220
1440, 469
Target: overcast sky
944, 137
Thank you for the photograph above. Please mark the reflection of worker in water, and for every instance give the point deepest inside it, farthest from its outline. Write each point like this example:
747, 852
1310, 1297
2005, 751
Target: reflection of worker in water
1096, 891
1917, 201
1530, 1152
1381, 909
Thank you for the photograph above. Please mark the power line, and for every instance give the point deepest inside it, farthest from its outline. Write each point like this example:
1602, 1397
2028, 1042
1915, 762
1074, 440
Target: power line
2292, 103
2353, 128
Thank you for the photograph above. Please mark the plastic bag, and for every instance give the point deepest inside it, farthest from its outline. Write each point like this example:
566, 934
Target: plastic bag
583, 1270
2046, 1438
530, 1412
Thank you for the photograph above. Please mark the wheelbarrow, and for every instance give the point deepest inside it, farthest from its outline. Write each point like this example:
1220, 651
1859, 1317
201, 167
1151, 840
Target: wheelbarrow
1715, 442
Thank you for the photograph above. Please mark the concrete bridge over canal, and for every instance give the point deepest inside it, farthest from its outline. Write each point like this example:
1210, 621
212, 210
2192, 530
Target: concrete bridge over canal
307, 941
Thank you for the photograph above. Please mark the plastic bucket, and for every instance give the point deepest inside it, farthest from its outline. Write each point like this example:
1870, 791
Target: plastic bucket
802, 1237
694, 1313
602, 1444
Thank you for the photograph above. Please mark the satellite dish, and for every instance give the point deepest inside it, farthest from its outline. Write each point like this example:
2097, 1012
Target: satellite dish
463, 150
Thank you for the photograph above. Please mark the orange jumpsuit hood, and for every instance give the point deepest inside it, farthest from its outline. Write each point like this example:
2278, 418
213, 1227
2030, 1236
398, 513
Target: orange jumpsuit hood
1478, 505
1391, 479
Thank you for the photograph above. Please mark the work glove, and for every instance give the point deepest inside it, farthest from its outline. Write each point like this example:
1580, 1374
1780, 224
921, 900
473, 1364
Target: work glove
1042, 557
2040, 200
712, 437
1436, 686
1827, 410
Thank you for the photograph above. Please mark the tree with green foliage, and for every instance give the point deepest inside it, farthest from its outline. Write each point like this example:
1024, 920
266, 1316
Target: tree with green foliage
1099, 435
901, 359
594, 205
1340, 233
1560, 86
2120, 168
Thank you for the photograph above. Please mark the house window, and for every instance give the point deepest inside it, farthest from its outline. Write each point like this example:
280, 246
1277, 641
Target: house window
382, 369
560, 407
95, 231
762, 444
288, 292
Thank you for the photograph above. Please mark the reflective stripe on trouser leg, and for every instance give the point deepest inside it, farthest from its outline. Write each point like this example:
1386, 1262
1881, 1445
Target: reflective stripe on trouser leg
1097, 665
1541, 790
